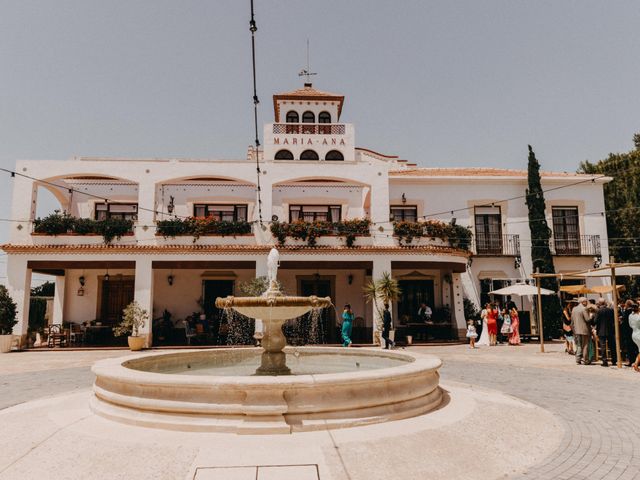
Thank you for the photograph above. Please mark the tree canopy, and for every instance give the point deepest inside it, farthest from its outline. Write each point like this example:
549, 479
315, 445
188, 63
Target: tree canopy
622, 202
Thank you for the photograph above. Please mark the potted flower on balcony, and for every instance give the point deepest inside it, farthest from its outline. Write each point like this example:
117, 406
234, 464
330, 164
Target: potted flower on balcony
7, 319
133, 318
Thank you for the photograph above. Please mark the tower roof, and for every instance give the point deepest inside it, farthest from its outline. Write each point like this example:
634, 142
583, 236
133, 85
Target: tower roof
306, 93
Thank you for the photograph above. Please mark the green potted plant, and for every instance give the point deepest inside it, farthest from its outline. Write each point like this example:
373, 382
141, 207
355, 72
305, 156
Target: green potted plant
7, 319
133, 318
381, 291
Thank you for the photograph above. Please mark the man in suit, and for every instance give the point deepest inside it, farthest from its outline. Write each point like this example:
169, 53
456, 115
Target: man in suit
581, 325
604, 321
386, 326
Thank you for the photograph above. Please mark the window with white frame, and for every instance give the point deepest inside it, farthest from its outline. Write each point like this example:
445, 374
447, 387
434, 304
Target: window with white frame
126, 211
222, 213
315, 213
404, 213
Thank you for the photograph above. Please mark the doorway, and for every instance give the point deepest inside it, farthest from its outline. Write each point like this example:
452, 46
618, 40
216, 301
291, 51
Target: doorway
116, 294
414, 293
213, 289
321, 287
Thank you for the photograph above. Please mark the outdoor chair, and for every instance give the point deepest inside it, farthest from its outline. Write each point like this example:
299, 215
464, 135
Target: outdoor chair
189, 332
56, 336
76, 334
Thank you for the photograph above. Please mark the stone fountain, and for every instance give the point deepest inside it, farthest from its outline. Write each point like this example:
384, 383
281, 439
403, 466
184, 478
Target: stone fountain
293, 389
273, 308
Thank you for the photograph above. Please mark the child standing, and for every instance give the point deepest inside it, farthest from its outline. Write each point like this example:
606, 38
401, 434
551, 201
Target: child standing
471, 334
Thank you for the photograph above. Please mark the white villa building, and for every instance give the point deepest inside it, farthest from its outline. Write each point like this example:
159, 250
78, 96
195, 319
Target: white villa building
310, 171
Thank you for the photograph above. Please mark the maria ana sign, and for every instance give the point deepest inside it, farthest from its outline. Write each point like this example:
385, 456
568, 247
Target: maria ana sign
307, 141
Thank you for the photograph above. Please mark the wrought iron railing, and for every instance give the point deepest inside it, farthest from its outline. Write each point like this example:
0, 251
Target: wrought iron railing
498, 244
588, 245
309, 128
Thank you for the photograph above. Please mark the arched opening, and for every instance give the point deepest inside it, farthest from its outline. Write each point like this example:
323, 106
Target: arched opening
308, 117
334, 155
324, 117
284, 155
292, 117
309, 155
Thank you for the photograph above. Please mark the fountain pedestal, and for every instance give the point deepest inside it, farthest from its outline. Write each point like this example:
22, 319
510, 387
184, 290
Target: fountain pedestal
273, 360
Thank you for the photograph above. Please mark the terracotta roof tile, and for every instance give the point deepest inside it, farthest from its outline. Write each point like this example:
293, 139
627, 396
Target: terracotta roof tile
227, 249
476, 172
306, 93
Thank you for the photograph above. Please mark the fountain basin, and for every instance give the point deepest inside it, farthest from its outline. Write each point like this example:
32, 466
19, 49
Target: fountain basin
178, 390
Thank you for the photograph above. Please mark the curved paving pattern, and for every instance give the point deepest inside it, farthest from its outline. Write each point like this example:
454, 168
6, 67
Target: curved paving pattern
600, 409
601, 415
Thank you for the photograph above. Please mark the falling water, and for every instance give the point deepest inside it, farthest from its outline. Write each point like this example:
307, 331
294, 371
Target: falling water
239, 328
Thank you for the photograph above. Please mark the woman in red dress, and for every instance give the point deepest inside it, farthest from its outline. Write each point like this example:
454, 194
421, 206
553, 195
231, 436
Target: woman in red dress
492, 324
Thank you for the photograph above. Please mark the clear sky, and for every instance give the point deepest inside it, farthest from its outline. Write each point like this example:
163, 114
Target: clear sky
440, 83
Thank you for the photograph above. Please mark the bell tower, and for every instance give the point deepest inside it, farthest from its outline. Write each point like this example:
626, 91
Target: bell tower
307, 127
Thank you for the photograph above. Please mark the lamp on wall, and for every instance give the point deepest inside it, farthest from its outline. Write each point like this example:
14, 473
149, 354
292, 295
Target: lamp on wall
171, 206
170, 279
106, 276
81, 279
597, 261
350, 278
404, 198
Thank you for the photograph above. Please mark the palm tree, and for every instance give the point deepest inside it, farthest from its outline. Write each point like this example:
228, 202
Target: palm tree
381, 291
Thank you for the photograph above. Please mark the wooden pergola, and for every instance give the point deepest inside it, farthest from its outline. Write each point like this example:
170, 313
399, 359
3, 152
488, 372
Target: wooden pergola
610, 271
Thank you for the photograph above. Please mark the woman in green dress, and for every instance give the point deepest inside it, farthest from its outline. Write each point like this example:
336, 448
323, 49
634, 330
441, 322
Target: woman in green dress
347, 324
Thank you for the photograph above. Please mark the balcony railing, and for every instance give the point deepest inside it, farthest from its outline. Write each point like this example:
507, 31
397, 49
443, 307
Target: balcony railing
309, 128
498, 245
588, 245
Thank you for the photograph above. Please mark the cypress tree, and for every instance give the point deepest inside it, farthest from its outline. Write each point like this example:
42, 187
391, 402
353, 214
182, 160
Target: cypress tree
540, 251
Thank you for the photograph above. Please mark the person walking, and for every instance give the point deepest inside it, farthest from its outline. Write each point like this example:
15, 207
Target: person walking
604, 322
386, 327
471, 334
580, 324
347, 325
514, 336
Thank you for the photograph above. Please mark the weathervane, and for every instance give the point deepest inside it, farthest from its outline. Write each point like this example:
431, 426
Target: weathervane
306, 72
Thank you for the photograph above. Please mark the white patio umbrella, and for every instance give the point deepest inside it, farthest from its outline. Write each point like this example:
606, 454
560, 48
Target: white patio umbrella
521, 289
524, 289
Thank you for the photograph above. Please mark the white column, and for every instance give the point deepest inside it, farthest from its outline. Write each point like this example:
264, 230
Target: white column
144, 295
146, 218
58, 300
380, 209
457, 309
380, 266
23, 207
263, 234
19, 288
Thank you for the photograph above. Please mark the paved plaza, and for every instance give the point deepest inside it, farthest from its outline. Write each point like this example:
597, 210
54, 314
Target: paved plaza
565, 422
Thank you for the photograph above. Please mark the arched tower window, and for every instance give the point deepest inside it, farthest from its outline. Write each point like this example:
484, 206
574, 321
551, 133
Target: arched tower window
334, 155
309, 155
324, 117
284, 155
292, 117
308, 117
